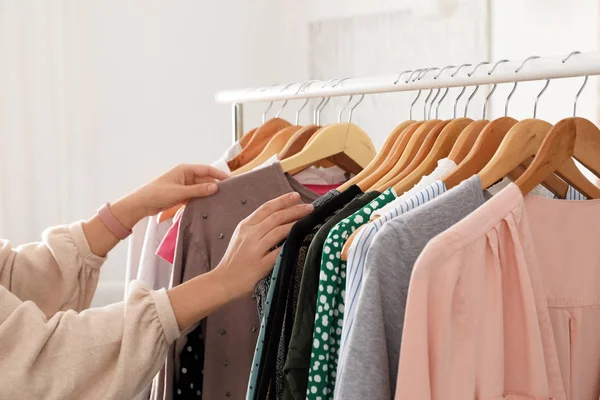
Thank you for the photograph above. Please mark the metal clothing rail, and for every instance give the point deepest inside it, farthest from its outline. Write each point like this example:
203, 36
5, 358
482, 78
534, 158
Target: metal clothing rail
532, 69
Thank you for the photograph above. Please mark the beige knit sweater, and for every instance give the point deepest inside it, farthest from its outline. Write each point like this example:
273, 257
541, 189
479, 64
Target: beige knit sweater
51, 349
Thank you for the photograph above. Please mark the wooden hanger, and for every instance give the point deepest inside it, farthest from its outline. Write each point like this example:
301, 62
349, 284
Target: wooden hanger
378, 160
557, 150
257, 142
482, 151
273, 147
522, 141
587, 145
466, 140
449, 129
415, 135
246, 137
441, 147
386, 158
298, 141
343, 143
552, 182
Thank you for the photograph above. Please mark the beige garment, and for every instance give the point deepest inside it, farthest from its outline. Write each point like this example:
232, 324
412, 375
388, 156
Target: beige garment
50, 351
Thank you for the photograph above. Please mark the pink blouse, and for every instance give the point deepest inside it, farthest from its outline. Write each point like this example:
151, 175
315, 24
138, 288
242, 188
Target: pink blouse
506, 305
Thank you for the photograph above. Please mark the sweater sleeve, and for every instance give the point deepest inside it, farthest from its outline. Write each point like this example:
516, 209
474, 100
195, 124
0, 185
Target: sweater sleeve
58, 273
102, 353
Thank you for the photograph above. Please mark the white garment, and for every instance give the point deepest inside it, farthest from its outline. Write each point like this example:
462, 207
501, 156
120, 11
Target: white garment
154, 270
229, 155
134, 252
322, 176
314, 175
444, 167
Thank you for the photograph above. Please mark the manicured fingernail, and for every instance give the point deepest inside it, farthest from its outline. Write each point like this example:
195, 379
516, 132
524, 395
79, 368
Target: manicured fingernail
294, 196
309, 207
212, 188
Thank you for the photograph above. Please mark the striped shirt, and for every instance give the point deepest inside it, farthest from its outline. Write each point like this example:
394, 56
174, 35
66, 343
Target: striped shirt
358, 253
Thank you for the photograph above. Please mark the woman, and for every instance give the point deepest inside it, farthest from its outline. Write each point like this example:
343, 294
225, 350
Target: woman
51, 349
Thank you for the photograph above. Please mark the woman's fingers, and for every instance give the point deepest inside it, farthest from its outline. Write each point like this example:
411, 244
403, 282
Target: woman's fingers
275, 236
269, 261
283, 217
193, 171
200, 190
273, 206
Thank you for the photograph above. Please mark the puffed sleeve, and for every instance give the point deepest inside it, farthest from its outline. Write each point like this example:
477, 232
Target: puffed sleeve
101, 353
58, 273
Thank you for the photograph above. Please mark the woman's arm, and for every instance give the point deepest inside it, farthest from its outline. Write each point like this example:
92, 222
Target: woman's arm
181, 183
115, 351
61, 272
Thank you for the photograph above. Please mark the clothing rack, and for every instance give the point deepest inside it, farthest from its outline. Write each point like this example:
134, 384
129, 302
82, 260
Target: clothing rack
485, 73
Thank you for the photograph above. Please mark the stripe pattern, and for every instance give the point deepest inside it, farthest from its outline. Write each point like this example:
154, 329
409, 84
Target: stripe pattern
357, 255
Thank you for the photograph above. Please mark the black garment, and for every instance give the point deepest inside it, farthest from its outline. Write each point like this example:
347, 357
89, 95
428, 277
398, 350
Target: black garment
280, 306
262, 287
297, 362
191, 376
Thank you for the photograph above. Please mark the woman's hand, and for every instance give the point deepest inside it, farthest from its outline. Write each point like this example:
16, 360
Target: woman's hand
248, 259
250, 255
176, 186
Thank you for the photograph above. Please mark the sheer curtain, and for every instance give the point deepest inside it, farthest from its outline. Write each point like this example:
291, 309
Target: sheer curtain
40, 112
76, 83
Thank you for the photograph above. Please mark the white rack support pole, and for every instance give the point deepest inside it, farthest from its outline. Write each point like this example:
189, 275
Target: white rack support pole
237, 121
582, 64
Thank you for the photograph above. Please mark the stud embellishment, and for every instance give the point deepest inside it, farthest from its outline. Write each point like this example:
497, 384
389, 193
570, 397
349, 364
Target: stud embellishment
204, 216
244, 201
221, 236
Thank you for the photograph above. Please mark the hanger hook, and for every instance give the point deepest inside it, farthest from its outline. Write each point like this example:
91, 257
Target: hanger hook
305, 85
538, 97
400, 75
417, 71
464, 87
264, 115
582, 86
354, 106
476, 87
286, 100
437, 108
322, 103
344, 107
514, 88
421, 76
437, 93
487, 99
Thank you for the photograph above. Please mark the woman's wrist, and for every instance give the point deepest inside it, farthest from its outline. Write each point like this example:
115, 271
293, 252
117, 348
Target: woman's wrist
128, 211
197, 298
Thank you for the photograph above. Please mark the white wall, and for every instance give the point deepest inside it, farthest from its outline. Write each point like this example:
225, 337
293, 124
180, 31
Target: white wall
545, 27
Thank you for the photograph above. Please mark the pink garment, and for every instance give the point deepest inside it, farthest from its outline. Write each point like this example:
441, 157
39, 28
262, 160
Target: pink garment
322, 189
166, 249
506, 305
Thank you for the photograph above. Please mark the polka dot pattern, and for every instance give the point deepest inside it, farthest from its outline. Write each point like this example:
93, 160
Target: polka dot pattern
329, 317
190, 380
254, 370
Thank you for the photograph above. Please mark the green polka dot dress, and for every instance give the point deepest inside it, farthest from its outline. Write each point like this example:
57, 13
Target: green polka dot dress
329, 316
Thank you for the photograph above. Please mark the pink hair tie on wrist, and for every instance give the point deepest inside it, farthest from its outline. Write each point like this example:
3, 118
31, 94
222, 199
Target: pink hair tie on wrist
111, 223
